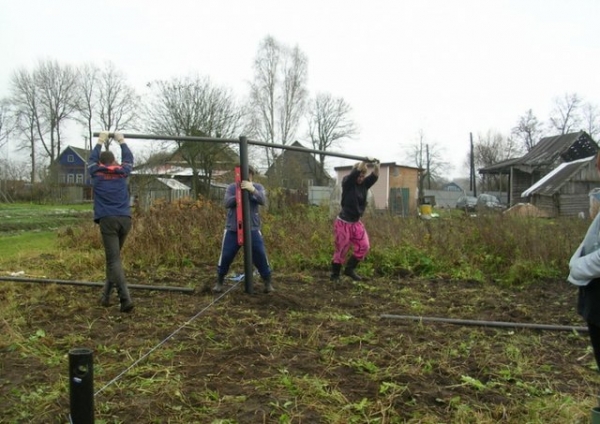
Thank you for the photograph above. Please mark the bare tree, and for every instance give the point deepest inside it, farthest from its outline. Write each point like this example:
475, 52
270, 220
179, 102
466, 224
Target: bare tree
328, 123
430, 158
57, 88
117, 101
87, 98
6, 121
29, 122
565, 116
491, 148
194, 106
278, 93
45, 99
528, 130
591, 119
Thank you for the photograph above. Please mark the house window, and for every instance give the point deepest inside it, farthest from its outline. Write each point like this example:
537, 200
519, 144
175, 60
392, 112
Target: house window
79, 178
70, 158
61, 178
70, 179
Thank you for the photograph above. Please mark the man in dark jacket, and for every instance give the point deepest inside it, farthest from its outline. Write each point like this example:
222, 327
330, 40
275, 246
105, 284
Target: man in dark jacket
112, 212
230, 246
348, 229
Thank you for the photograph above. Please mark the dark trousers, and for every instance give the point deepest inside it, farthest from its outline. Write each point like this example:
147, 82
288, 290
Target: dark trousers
114, 230
230, 247
594, 331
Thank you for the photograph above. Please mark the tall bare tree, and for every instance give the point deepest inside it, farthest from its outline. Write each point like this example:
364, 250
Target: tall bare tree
117, 101
329, 122
29, 122
6, 121
87, 99
590, 116
493, 147
47, 97
194, 106
528, 130
57, 87
429, 157
566, 114
278, 93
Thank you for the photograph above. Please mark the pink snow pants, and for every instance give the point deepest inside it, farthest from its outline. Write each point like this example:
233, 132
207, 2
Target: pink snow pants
349, 234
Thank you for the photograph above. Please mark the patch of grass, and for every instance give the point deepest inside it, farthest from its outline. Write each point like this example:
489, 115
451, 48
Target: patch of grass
19, 248
312, 351
31, 216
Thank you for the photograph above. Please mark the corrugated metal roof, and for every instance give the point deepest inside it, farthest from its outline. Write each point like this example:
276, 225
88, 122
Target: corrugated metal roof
173, 184
554, 180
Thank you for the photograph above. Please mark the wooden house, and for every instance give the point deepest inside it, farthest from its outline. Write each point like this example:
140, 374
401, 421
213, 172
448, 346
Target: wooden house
297, 170
544, 157
71, 180
395, 191
565, 190
452, 186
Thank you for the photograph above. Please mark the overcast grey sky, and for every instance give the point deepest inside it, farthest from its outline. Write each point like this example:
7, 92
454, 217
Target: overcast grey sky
447, 67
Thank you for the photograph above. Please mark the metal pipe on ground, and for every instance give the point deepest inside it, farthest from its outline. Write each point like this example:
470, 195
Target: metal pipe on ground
486, 323
95, 284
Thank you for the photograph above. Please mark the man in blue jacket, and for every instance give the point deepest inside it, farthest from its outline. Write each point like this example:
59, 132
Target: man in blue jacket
230, 247
112, 212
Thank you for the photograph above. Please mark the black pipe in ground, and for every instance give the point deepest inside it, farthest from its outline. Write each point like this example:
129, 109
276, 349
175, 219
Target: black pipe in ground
95, 284
487, 323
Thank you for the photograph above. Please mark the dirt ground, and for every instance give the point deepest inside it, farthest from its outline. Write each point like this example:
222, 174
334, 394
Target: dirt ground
227, 343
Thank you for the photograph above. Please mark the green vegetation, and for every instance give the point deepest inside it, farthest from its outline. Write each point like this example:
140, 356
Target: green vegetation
312, 351
32, 216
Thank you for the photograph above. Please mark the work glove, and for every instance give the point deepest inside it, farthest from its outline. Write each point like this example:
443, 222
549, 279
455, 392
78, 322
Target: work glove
102, 137
373, 160
119, 137
247, 185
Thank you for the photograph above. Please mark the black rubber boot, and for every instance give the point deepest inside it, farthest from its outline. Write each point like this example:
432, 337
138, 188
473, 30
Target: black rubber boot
335, 271
218, 288
105, 299
350, 267
124, 298
126, 305
268, 285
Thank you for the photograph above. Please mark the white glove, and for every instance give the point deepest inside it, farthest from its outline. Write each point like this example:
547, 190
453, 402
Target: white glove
372, 159
247, 185
119, 137
102, 137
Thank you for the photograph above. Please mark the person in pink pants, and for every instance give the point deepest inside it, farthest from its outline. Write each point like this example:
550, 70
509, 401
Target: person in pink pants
348, 229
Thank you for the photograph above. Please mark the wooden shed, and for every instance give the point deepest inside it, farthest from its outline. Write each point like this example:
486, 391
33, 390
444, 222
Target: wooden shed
544, 157
153, 189
565, 190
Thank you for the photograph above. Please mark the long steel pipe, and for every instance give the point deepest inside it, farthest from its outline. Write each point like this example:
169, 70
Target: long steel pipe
95, 284
236, 141
487, 323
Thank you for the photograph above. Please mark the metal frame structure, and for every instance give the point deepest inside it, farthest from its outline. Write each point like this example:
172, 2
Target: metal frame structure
243, 143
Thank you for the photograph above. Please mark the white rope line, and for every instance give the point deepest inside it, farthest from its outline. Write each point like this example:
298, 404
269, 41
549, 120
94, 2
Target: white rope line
118, 377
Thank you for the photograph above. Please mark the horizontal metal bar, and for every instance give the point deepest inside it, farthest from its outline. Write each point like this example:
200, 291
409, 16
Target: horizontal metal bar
233, 140
95, 284
487, 323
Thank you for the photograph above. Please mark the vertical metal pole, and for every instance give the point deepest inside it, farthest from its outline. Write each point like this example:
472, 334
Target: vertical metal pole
81, 378
248, 265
